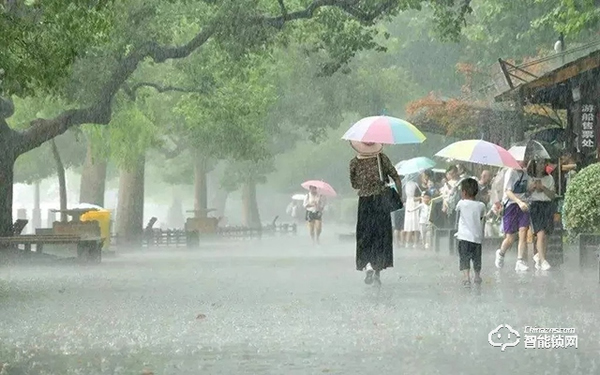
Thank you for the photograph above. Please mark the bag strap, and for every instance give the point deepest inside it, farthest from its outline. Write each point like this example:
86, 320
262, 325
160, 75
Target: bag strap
380, 169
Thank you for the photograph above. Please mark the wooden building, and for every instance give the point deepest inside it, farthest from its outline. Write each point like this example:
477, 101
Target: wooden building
573, 88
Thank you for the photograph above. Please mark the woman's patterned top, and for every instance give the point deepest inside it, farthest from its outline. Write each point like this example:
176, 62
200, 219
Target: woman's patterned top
364, 175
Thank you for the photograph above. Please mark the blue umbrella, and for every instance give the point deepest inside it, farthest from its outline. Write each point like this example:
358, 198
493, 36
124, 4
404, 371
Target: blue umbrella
414, 165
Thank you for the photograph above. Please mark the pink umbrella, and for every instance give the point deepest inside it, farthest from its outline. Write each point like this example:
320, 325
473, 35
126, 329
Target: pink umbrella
322, 187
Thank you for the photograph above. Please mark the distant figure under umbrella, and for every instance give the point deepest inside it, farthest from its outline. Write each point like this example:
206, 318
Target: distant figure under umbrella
314, 203
374, 236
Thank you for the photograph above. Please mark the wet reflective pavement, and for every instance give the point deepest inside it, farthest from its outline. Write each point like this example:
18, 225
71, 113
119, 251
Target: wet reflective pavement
281, 306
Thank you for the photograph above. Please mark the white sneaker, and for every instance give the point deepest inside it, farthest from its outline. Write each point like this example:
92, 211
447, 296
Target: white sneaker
536, 259
499, 259
544, 265
369, 267
521, 266
426, 246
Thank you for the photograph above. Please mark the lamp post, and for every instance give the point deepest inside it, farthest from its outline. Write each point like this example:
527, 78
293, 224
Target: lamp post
559, 47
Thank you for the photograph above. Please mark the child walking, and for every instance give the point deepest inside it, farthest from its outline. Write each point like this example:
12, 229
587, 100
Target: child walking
471, 216
424, 209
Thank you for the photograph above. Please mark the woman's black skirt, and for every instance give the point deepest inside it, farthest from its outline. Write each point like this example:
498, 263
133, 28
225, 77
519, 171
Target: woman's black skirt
374, 236
542, 216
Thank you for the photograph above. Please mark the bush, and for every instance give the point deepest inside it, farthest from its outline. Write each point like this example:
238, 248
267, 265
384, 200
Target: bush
582, 202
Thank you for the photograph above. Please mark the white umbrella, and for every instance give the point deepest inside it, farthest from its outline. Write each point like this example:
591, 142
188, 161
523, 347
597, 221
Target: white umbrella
86, 206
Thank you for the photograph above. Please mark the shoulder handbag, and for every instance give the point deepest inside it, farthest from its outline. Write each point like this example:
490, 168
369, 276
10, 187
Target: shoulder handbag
392, 201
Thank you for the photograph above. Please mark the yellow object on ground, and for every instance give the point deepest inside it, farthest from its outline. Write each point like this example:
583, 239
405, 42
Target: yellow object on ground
103, 219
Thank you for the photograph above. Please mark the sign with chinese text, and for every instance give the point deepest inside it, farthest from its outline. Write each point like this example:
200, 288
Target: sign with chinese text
587, 137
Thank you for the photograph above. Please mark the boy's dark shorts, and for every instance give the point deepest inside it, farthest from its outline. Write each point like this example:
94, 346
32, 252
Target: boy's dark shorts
467, 252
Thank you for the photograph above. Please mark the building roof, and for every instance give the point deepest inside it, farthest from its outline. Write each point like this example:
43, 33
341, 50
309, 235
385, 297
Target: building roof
552, 87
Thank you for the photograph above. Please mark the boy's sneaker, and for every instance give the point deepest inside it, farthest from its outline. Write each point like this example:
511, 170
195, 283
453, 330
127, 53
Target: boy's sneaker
466, 283
544, 265
521, 266
499, 259
536, 259
477, 280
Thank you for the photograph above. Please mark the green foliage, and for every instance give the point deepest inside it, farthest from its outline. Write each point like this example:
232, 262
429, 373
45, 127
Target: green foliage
240, 172
131, 133
228, 121
504, 29
582, 202
38, 164
569, 17
41, 39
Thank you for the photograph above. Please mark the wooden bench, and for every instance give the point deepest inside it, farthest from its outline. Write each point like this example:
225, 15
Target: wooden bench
200, 226
18, 226
88, 248
275, 228
168, 237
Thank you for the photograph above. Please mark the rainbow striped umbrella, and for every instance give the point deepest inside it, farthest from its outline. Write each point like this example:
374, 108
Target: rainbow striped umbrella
385, 130
479, 152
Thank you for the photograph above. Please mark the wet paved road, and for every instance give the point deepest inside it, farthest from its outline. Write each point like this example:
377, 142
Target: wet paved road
286, 308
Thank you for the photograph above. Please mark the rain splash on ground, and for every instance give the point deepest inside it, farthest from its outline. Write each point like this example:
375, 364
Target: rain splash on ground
280, 306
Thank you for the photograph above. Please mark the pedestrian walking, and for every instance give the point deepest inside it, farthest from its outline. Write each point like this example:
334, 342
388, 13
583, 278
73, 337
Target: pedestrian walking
515, 219
471, 218
374, 237
314, 203
542, 209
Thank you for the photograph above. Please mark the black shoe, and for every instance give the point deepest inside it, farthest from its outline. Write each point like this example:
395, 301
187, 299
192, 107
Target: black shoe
477, 280
467, 283
369, 277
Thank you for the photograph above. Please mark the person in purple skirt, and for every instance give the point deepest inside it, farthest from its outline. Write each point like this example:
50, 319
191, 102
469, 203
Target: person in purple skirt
516, 219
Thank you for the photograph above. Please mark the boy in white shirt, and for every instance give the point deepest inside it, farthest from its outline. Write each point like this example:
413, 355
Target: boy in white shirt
471, 216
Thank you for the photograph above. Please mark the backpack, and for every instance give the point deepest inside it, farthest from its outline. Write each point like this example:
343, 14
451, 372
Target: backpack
454, 197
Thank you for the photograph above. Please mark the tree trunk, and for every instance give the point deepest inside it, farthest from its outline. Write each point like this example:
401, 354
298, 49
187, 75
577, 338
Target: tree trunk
200, 186
6, 195
130, 208
219, 202
251, 214
93, 179
175, 215
36, 216
62, 181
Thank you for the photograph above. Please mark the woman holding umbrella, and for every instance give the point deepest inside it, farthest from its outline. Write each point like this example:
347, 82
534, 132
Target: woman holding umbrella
314, 203
374, 236
370, 171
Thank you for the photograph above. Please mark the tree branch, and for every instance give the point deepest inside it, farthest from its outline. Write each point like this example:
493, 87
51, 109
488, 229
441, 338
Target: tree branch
131, 91
283, 9
42, 130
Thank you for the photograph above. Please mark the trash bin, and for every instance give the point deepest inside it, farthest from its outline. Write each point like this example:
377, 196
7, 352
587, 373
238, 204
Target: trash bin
103, 219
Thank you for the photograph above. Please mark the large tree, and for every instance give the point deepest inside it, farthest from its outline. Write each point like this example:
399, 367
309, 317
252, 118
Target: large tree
239, 25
